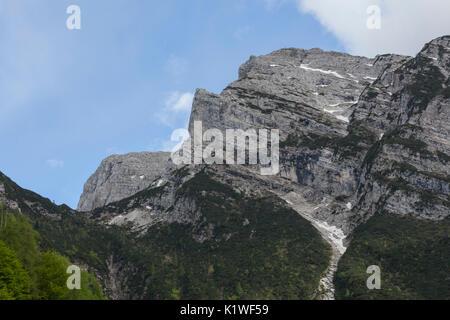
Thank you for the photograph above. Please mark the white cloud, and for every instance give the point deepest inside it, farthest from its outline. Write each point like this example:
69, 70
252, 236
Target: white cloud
405, 25
180, 101
176, 109
53, 163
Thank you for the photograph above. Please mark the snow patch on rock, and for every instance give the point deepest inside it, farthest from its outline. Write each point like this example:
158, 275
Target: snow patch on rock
331, 72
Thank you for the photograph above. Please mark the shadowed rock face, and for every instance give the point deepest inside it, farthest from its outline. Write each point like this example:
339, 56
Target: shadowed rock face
121, 176
408, 170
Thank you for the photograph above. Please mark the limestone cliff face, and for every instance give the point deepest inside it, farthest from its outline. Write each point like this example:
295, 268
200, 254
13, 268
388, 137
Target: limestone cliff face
309, 95
121, 176
408, 170
351, 128
296, 91
332, 109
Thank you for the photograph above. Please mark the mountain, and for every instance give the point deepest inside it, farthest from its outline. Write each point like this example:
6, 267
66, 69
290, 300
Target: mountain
121, 176
363, 180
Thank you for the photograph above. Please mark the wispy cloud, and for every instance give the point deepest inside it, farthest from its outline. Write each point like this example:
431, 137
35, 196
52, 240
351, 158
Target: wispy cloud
241, 32
180, 101
53, 163
176, 107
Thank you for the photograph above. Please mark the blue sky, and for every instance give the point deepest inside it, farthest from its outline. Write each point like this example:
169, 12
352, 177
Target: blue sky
70, 98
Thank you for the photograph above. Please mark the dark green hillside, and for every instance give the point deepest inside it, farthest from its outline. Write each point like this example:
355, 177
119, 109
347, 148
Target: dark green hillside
28, 273
258, 249
414, 257
255, 248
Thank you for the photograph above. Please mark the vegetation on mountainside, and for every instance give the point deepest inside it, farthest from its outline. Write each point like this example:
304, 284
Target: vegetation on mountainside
252, 249
256, 249
358, 139
412, 254
424, 85
27, 273
14, 280
405, 136
249, 249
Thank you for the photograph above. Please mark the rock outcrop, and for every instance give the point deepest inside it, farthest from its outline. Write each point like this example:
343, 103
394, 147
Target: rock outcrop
407, 171
309, 95
121, 176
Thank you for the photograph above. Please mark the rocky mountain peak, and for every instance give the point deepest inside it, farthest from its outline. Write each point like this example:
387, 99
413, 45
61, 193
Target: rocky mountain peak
121, 176
409, 93
290, 86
